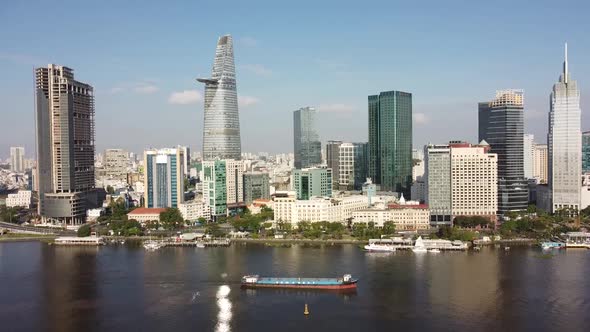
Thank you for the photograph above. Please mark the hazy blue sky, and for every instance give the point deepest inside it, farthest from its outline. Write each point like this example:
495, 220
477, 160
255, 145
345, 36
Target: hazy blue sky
143, 57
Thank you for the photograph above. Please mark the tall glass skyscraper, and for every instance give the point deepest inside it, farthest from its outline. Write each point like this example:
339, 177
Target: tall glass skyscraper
565, 143
501, 125
307, 146
390, 141
586, 152
221, 132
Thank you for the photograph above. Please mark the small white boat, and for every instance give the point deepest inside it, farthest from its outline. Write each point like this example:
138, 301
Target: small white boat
379, 247
419, 246
200, 245
506, 248
434, 251
152, 245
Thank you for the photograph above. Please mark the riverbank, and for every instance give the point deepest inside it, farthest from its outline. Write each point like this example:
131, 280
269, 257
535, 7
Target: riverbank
26, 237
518, 241
307, 241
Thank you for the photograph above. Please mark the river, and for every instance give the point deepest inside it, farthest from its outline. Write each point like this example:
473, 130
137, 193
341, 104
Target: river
125, 288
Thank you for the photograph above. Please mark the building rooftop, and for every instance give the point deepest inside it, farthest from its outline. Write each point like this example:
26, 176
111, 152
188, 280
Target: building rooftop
144, 210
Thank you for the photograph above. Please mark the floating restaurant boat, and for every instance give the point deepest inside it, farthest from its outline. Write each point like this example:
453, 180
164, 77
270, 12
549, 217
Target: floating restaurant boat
344, 283
577, 240
79, 241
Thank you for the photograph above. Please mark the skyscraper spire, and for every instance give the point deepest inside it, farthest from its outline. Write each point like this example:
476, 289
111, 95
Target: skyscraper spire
565, 70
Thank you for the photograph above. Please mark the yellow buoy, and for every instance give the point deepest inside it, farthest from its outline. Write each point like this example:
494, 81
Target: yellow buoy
306, 311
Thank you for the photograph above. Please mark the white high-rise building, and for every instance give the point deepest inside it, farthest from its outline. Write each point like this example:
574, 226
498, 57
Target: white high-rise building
540, 163
528, 157
565, 143
461, 180
474, 181
17, 159
164, 178
352, 165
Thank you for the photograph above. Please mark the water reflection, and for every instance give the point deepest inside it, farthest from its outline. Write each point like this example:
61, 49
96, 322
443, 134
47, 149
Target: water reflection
224, 306
69, 288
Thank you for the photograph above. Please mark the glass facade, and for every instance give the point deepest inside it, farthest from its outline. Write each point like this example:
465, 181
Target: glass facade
565, 143
501, 125
307, 146
390, 141
353, 165
586, 152
164, 178
221, 132
438, 182
310, 182
256, 186
215, 186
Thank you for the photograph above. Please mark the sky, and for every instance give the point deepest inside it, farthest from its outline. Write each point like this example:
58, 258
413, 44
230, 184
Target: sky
143, 57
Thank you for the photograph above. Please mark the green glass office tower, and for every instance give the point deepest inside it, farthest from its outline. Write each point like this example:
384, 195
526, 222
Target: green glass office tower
390, 141
215, 186
312, 182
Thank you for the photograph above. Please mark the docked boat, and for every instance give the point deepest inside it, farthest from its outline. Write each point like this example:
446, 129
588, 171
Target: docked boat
552, 245
379, 246
79, 241
152, 245
344, 283
434, 251
419, 246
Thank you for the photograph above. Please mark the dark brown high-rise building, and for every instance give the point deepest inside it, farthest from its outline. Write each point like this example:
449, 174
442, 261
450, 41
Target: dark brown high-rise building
65, 145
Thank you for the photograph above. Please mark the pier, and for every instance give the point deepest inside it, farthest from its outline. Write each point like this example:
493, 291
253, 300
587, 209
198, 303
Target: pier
200, 243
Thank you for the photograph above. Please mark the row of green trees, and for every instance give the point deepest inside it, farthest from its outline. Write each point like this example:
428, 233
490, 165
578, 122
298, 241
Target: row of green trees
9, 214
471, 221
246, 221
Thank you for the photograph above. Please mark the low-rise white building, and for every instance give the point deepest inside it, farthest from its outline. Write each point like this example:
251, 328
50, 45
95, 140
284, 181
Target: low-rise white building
143, 215
407, 216
193, 210
22, 198
288, 209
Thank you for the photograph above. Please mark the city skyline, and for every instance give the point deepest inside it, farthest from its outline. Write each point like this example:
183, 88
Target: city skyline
150, 95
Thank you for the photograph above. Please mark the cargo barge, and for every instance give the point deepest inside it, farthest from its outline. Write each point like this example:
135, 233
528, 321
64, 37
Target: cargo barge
344, 283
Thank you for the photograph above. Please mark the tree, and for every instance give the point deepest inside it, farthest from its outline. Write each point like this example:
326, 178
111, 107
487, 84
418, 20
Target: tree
110, 190
388, 227
202, 220
214, 230
171, 219
9, 214
84, 230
